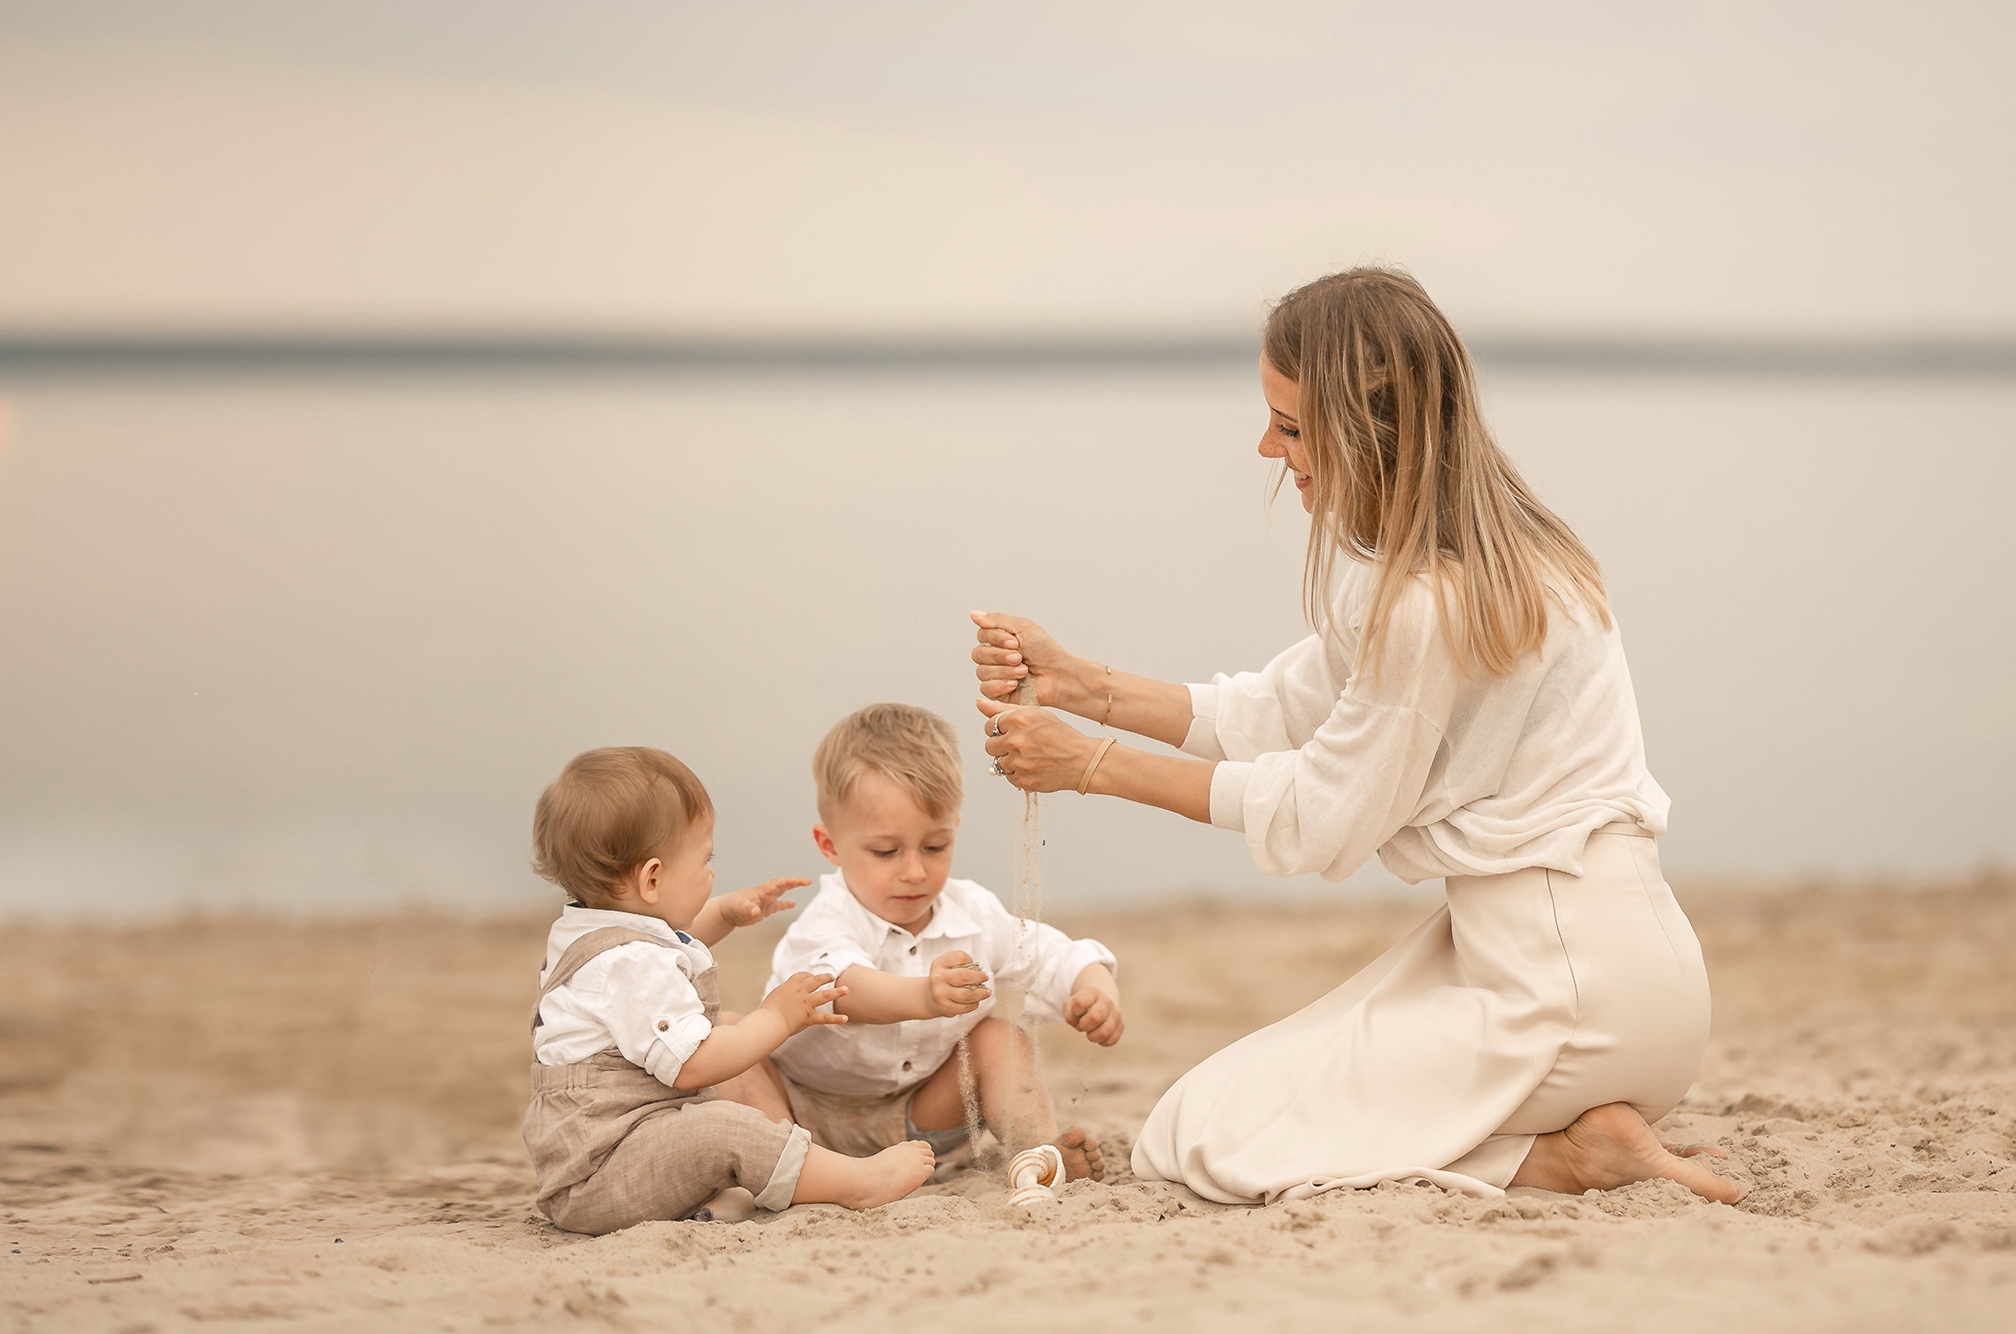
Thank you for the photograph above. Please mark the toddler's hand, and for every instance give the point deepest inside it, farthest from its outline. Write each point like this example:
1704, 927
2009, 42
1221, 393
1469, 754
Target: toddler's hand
1095, 1012
798, 997
958, 985
746, 907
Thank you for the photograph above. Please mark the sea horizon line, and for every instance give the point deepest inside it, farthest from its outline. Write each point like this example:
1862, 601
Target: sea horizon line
392, 350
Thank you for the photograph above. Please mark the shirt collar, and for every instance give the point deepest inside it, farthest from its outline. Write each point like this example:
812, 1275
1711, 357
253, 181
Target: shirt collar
948, 915
579, 921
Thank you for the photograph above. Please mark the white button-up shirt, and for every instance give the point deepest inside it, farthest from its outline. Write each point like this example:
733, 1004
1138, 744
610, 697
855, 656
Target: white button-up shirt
836, 933
637, 998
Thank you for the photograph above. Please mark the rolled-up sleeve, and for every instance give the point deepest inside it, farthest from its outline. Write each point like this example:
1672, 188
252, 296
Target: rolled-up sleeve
820, 941
664, 1022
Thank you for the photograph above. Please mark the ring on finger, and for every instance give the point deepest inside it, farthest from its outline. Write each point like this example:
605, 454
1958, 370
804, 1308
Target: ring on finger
996, 729
995, 769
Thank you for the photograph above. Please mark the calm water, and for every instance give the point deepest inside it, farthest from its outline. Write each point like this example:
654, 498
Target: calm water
315, 645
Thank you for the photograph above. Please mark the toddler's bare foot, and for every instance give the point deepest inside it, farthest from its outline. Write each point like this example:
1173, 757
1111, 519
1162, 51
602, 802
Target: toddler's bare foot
1081, 1155
891, 1174
1612, 1146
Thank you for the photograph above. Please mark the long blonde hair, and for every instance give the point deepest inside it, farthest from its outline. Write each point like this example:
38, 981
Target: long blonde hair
1403, 471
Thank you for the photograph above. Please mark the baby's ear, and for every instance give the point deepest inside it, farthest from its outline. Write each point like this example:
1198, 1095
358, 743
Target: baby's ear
645, 881
822, 839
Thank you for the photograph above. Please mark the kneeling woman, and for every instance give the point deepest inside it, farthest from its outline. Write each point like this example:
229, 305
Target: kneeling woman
1464, 710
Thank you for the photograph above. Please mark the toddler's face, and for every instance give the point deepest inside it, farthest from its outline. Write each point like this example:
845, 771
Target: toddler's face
893, 855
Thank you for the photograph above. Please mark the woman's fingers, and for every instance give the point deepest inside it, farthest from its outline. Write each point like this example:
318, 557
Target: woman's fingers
999, 624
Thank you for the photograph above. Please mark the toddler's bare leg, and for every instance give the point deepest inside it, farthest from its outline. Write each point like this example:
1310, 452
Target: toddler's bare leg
863, 1183
1012, 1098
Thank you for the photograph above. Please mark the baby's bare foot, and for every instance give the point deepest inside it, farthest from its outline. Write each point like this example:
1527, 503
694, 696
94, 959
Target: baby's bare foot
891, 1174
1081, 1155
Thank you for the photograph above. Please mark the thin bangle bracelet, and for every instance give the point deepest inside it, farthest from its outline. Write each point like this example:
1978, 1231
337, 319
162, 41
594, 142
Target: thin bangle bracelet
1107, 721
1105, 745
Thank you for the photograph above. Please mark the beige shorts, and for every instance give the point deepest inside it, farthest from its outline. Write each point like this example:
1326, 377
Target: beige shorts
862, 1125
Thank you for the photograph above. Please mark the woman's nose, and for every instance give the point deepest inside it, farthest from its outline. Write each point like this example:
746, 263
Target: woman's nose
1270, 448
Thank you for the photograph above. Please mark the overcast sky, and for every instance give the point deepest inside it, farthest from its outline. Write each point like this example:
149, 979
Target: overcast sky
1753, 167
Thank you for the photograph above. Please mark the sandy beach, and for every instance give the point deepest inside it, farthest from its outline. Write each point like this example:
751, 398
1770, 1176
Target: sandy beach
315, 1128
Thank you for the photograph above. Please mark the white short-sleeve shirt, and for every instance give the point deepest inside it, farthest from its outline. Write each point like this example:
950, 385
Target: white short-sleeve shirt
836, 933
638, 998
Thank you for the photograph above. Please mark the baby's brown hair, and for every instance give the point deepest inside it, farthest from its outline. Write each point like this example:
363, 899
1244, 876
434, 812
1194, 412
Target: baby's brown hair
610, 811
911, 747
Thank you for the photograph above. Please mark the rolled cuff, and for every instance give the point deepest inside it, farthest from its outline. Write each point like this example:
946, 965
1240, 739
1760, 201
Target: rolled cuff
1228, 794
1202, 738
836, 962
783, 1184
679, 1036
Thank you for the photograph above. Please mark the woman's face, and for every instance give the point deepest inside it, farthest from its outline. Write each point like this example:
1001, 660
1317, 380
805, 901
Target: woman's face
1283, 437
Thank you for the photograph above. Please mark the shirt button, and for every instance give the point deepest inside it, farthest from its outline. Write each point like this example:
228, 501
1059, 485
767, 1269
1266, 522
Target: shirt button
913, 949
906, 1067
662, 1025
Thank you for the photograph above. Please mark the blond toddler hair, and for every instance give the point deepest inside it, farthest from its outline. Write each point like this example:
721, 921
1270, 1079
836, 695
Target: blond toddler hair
911, 747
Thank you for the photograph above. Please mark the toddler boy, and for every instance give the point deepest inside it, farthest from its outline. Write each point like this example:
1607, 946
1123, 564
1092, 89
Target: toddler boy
917, 953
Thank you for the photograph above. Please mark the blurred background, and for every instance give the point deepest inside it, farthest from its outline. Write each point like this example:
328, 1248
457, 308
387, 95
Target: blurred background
396, 399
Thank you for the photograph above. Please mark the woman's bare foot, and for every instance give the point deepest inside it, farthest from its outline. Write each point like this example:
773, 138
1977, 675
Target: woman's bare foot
1081, 1155
863, 1183
1612, 1146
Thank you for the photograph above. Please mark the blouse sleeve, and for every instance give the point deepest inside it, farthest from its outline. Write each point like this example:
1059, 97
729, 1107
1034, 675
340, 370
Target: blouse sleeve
1276, 708
1320, 772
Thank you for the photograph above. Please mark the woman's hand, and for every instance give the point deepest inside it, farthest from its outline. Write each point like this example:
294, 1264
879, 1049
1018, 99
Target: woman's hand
1035, 749
1014, 647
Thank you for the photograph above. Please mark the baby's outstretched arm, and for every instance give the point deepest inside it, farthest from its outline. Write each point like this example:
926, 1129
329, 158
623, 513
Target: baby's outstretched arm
1094, 1006
732, 1048
745, 907
956, 986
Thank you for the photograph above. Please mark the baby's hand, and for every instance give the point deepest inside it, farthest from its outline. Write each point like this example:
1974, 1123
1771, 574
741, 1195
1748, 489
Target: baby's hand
798, 997
746, 907
958, 985
1094, 1010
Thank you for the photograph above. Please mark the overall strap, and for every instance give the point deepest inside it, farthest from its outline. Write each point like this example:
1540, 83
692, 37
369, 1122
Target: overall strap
586, 947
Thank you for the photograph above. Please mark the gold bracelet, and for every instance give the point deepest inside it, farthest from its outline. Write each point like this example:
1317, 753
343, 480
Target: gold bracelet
1104, 745
1107, 721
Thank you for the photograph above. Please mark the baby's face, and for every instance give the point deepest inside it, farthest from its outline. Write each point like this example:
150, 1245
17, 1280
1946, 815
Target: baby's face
892, 853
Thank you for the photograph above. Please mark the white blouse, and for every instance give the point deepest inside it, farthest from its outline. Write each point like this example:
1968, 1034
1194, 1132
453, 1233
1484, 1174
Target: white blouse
1439, 774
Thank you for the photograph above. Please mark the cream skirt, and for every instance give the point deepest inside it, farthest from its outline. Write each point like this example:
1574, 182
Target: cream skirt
1525, 1001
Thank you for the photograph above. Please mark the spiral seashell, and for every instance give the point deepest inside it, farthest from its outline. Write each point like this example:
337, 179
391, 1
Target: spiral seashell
1034, 1174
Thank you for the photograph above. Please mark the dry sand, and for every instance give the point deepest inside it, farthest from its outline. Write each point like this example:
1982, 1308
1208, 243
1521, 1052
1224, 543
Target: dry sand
316, 1128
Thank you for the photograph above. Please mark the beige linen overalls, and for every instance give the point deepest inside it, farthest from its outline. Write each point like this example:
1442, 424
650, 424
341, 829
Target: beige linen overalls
613, 1147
